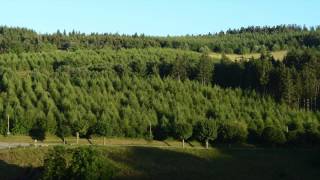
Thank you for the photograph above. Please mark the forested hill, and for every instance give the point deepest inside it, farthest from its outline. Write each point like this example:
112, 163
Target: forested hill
239, 41
124, 92
163, 87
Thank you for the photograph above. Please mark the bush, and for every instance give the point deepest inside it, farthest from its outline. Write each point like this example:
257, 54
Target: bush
55, 164
233, 131
273, 136
86, 163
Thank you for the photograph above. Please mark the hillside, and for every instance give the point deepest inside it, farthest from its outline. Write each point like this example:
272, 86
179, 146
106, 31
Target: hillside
146, 97
164, 163
124, 93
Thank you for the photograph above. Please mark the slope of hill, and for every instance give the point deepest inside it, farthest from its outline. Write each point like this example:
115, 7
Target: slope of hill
170, 163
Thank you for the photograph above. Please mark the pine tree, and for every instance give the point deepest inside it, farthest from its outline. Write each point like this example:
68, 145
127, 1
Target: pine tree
205, 69
179, 69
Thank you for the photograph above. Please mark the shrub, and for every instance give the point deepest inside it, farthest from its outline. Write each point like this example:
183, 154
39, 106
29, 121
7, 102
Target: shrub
55, 164
86, 163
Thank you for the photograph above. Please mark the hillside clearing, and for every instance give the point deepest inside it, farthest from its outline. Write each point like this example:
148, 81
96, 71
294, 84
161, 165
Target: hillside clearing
278, 55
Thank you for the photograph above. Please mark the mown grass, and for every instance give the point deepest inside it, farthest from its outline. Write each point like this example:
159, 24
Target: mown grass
278, 55
178, 163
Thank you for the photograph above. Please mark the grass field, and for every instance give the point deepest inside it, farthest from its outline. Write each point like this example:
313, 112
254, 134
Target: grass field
278, 55
100, 141
178, 163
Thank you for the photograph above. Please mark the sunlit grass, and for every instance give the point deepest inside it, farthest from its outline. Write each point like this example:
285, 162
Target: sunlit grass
278, 55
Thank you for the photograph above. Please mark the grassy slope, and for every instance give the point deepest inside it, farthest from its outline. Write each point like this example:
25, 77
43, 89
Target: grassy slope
177, 163
278, 55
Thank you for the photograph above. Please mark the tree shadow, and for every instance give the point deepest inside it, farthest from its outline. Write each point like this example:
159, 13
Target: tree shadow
160, 163
90, 141
11, 171
166, 143
167, 163
190, 144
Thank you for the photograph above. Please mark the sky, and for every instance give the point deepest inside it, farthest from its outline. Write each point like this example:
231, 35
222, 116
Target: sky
155, 17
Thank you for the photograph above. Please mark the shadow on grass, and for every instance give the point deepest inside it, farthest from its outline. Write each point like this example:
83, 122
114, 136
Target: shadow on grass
190, 144
11, 171
160, 163
219, 163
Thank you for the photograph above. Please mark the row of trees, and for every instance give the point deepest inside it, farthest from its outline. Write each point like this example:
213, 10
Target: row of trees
241, 41
125, 92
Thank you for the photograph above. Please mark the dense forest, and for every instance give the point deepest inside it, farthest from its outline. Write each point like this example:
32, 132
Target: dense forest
239, 41
163, 87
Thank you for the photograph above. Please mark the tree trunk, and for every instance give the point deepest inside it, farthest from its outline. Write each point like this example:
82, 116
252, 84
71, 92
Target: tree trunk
77, 137
207, 144
104, 141
64, 140
150, 131
182, 143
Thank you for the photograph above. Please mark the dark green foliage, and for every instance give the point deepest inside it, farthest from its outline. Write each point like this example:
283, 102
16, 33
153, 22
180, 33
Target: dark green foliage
205, 68
183, 130
162, 130
37, 132
179, 68
207, 130
273, 136
55, 164
295, 81
86, 163
233, 132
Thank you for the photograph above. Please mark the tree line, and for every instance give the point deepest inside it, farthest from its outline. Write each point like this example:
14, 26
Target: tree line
239, 41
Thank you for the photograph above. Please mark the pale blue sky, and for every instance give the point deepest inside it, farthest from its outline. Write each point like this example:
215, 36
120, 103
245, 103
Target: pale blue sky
155, 17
